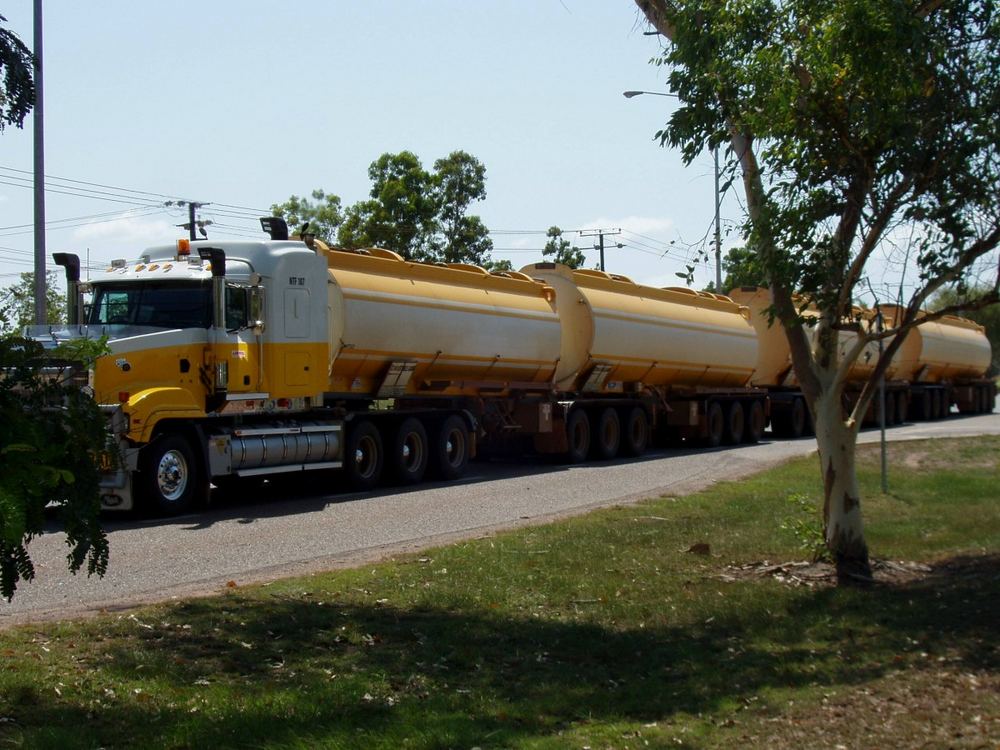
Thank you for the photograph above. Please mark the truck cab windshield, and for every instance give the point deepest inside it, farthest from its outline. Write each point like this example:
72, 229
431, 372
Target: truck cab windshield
155, 304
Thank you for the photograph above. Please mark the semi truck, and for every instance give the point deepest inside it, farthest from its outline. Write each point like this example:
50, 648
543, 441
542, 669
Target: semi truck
236, 360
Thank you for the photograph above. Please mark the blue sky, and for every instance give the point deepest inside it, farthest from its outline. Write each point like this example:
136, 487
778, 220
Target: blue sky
245, 103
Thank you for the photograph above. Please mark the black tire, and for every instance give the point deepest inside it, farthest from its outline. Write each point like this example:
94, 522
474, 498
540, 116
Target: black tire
902, 407
716, 425
635, 438
735, 424
924, 406
409, 453
799, 420
890, 409
451, 448
936, 411
577, 436
363, 455
608, 437
754, 423
170, 479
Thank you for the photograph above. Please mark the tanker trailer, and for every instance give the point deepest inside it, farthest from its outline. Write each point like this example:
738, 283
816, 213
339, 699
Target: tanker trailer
774, 372
634, 358
945, 362
451, 350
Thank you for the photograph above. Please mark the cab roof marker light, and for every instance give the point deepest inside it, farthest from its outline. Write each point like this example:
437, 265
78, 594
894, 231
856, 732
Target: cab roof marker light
183, 248
119, 263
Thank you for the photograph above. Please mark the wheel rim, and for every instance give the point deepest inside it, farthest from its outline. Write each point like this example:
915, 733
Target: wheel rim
413, 451
366, 457
172, 475
454, 447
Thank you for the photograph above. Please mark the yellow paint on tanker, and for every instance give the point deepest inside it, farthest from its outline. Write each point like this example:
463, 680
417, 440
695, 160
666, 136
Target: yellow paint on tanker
656, 337
461, 326
943, 350
774, 357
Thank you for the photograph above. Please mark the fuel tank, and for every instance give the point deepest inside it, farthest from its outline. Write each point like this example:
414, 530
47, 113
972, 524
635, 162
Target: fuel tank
399, 327
627, 333
774, 358
948, 349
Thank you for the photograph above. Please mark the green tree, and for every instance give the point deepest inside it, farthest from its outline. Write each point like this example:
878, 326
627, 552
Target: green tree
322, 214
459, 180
988, 317
562, 250
401, 213
742, 268
17, 302
421, 215
847, 122
17, 92
50, 434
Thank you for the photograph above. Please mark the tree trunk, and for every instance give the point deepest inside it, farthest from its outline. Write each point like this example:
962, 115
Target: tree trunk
843, 527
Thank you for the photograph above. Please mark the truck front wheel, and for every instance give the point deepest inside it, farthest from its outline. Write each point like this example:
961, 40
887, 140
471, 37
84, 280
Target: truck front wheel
169, 476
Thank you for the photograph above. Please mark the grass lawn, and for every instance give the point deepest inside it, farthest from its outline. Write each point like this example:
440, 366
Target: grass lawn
603, 631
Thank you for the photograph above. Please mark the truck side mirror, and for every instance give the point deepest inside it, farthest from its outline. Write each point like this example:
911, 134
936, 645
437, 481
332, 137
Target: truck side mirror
256, 321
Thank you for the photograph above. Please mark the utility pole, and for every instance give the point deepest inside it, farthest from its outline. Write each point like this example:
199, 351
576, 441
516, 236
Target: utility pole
718, 229
600, 234
41, 313
192, 222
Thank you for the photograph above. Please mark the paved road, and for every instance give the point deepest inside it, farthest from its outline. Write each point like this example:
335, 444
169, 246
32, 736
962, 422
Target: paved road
262, 538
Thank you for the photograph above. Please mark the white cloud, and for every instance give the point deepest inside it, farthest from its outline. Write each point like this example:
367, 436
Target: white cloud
137, 231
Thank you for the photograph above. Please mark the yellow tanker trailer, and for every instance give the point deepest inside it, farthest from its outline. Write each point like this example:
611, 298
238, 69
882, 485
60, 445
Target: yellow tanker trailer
940, 363
945, 362
644, 356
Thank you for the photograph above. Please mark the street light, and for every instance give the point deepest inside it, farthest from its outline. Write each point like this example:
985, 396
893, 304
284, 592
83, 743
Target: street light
718, 226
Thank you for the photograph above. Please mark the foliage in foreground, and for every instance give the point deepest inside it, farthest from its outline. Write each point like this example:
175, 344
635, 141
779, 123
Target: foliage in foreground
602, 631
50, 434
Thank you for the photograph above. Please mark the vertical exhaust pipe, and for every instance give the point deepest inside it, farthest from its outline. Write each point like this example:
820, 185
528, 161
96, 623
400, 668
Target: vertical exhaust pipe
74, 298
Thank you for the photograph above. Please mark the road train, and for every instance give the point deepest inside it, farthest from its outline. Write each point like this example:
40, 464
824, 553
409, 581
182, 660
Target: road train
234, 360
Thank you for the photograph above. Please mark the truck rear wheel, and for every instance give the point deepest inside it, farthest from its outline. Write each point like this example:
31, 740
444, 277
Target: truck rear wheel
890, 409
451, 448
609, 435
636, 435
735, 423
754, 423
169, 477
363, 456
902, 407
577, 436
799, 418
716, 425
409, 454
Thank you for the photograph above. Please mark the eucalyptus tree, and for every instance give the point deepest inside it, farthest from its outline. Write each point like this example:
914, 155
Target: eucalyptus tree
851, 124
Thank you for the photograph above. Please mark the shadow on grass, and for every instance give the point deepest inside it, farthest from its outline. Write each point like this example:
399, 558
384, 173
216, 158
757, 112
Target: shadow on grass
296, 671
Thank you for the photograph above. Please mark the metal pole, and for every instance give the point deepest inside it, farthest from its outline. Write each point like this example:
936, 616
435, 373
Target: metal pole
600, 241
41, 313
718, 229
191, 208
